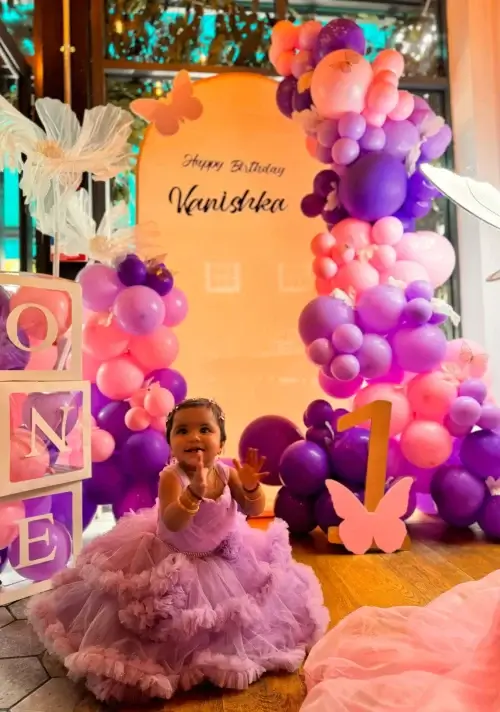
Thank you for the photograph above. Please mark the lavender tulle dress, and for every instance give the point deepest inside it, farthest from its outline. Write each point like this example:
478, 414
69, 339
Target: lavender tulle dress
145, 611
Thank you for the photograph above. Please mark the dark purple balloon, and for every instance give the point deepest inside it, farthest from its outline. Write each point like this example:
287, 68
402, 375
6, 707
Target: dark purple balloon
112, 419
333, 217
373, 187
409, 223
285, 94
489, 517
297, 512
416, 209
324, 512
172, 380
412, 497
106, 483
160, 280
317, 413
97, 400
3, 558
349, 455
340, 33
132, 271
324, 154
419, 188
458, 495
312, 205
480, 454
324, 182
62, 510
38, 505
144, 455
302, 101
271, 435
304, 467
321, 436
139, 496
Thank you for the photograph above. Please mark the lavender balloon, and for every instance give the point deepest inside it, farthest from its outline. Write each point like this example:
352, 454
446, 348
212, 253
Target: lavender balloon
419, 290
352, 125
11, 357
297, 512
53, 540
52, 407
139, 310
419, 349
320, 318
345, 367
100, 286
373, 139
379, 309
339, 389
374, 356
328, 133
489, 418
473, 388
401, 137
304, 468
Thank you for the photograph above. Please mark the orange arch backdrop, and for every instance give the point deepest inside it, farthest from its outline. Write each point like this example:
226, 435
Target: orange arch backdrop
245, 269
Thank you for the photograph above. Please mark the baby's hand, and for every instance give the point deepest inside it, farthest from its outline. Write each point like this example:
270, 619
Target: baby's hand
199, 483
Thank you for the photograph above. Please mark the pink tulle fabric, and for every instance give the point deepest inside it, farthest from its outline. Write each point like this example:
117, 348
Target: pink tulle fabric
145, 611
444, 657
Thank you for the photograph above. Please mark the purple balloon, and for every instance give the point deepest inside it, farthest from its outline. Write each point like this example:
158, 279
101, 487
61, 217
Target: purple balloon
416, 209
347, 338
328, 133
172, 380
100, 286
324, 182
458, 495
38, 505
435, 146
349, 455
420, 349
437, 318
340, 33
139, 310
312, 205
324, 154
374, 356
271, 435
419, 290
4, 304
112, 419
465, 411
62, 510
97, 400
320, 352
393, 375
339, 389
50, 406
160, 280
132, 271
106, 483
421, 114
324, 512
426, 504
379, 309
11, 357
412, 498
417, 312
457, 431
409, 223
333, 217
322, 436
56, 543
373, 187
139, 496
304, 468
474, 388
352, 125
401, 137
345, 367
336, 416
3, 559
419, 188
373, 139
285, 94
489, 517
345, 151
317, 413
144, 454
297, 512
320, 318
480, 454
302, 100
489, 418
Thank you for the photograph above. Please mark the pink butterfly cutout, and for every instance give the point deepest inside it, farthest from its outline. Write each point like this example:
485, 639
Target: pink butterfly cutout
360, 528
168, 114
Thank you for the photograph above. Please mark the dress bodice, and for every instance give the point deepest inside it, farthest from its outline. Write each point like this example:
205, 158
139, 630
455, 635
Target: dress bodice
210, 526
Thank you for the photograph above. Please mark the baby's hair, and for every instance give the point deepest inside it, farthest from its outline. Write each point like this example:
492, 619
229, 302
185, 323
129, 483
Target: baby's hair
217, 411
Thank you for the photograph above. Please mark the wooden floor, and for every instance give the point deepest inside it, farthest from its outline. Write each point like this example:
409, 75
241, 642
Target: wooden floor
438, 560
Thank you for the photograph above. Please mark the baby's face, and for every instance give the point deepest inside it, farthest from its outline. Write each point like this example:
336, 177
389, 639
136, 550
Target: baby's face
195, 430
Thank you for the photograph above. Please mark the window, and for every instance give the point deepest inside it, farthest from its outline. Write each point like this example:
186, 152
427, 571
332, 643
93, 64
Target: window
222, 277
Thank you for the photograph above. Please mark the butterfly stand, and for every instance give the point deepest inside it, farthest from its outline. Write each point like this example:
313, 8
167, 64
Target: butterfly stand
376, 524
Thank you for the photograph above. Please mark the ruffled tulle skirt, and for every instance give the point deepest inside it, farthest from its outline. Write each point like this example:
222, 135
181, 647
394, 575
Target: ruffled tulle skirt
444, 657
136, 619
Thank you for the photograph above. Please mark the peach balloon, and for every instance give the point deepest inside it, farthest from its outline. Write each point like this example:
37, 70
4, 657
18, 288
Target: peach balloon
158, 402
103, 339
102, 445
342, 254
32, 320
137, 419
404, 108
405, 271
44, 360
23, 467
324, 267
382, 98
387, 231
119, 378
10, 514
401, 411
340, 82
285, 35
390, 60
159, 424
426, 444
284, 63
387, 77
322, 243
138, 398
374, 119
352, 232
324, 287
384, 257
358, 276
431, 394
433, 251
470, 357
156, 350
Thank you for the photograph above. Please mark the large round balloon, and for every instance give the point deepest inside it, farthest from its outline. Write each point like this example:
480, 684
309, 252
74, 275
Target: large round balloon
340, 82
285, 94
144, 454
139, 496
480, 454
373, 187
458, 495
170, 379
433, 251
420, 349
297, 512
304, 467
338, 34
47, 540
349, 455
270, 435
321, 316
106, 483
489, 517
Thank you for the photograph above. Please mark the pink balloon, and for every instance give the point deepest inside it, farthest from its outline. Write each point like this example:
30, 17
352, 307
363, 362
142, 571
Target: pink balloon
470, 358
137, 419
341, 254
359, 276
10, 514
322, 243
16, 405
339, 389
311, 147
103, 339
119, 378
324, 267
102, 445
308, 33
382, 98
426, 444
401, 411
386, 76
387, 231
44, 360
285, 35
323, 286
390, 60
404, 108
433, 251
138, 398
384, 257
431, 395
176, 307
156, 350
405, 271
22, 467
353, 232
335, 90
159, 402
90, 367
159, 424
284, 63
374, 118
301, 63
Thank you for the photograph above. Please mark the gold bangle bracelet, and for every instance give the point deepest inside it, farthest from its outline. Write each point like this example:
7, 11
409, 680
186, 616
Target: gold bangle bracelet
189, 507
190, 497
254, 495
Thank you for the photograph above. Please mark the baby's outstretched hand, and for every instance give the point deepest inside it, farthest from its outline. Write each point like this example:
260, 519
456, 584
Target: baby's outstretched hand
249, 471
199, 482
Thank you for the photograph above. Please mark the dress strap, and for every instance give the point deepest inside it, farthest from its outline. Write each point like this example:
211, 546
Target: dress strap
222, 471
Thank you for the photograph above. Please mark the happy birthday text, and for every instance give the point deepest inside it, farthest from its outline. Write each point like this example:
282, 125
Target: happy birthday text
209, 165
